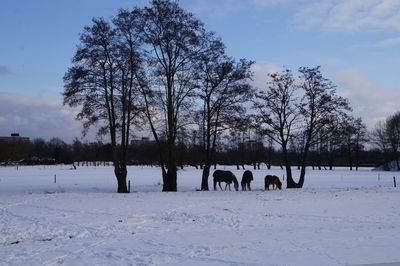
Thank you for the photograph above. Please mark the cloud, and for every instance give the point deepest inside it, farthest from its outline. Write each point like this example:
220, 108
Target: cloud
4, 70
388, 42
260, 76
355, 15
369, 100
37, 117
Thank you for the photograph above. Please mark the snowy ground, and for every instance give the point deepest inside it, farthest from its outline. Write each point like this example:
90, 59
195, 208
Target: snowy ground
340, 217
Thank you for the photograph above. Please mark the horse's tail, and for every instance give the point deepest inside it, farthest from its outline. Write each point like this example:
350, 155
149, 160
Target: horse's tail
235, 182
250, 176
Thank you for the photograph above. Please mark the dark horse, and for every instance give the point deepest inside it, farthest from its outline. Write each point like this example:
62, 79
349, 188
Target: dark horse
225, 176
246, 180
272, 180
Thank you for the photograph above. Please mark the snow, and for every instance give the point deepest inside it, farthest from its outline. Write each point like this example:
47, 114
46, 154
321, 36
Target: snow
340, 217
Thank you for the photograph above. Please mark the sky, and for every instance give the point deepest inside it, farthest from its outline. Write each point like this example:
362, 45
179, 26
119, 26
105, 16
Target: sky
356, 43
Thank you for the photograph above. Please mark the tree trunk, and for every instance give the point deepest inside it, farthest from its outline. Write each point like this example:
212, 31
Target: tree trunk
170, 177
204, 178
303, 164
357, 158
289, 180
121, 173
350, 158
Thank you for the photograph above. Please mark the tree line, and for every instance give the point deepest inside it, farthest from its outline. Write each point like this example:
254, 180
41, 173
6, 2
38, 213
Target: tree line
242, 151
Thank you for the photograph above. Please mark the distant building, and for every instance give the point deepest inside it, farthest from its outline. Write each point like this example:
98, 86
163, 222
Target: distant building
14, 138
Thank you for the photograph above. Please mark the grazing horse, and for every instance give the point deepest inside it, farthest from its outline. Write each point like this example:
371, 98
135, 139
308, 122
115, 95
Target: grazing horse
225, 176
272, 180
246, 180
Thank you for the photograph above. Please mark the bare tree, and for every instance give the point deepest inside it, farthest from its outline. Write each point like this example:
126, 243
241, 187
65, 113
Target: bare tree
393, 132
224, 88
102, 83
172, 38
305, 114
277, 112
386, 136
379, 139
352, 134
319, 109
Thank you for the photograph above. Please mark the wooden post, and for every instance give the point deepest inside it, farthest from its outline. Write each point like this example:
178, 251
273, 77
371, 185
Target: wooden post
394, 181
379, 177
129, 186
283, 177
55, 179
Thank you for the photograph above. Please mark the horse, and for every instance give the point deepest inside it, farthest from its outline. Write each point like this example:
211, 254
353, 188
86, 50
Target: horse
272, 180
225, 176
246, 179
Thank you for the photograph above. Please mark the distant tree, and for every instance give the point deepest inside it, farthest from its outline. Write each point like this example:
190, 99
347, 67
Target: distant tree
351, 133
379, 139
360, 138
386, 137
102, 82
223, 89
77, 149
40, 148
58, 150
393, 136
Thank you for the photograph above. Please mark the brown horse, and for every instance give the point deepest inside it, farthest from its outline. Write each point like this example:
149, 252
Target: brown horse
272, 180
246, 180
225, 176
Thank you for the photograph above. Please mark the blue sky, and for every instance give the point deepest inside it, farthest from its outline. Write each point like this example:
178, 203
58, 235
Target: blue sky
357, 43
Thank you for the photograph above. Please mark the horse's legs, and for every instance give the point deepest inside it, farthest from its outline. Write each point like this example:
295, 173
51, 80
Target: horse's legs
219, 183
248, 186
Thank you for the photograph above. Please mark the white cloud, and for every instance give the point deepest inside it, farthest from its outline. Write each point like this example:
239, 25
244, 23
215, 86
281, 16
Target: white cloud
388, 42
260, 76
350, 15
37, 117
369, 100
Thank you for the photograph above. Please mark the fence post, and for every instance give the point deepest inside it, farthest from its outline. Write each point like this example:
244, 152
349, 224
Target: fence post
55, 179
394, 181
129, 186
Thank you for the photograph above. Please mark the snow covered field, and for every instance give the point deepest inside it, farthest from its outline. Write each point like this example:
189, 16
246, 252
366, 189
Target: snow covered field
340, 217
